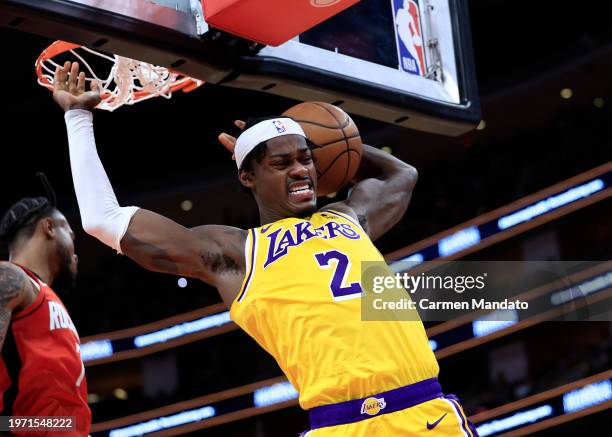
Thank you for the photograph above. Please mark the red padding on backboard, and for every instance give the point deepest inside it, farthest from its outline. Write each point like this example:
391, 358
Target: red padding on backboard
271, 22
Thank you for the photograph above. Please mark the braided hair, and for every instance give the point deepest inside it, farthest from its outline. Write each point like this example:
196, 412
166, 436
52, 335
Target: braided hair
21, 218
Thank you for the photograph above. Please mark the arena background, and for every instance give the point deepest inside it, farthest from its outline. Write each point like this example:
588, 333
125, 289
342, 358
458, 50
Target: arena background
544, 76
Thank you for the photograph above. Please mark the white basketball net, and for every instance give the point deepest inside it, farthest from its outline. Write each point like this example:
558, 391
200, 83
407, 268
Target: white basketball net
129, 81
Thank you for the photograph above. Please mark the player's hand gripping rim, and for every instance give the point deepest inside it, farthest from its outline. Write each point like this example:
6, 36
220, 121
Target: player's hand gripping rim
69, 88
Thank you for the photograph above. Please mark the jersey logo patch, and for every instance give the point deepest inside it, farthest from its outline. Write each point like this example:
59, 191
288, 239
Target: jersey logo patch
372, 406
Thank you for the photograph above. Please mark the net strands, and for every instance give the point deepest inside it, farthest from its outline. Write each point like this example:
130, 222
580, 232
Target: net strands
127, 82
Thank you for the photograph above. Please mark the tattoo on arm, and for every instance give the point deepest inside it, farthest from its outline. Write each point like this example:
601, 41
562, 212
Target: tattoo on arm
219, 262
12, 284
225, 261
5, 321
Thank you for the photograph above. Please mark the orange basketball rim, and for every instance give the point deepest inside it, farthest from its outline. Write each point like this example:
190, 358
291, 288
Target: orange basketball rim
128, 81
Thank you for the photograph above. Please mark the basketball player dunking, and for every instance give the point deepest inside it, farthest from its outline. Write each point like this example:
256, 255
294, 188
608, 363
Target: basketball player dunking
292, 283
41, 372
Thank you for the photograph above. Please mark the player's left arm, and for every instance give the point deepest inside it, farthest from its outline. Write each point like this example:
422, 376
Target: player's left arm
383, 189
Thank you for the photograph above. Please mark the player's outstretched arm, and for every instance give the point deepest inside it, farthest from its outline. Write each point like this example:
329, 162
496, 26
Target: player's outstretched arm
153, 241
382, 191
13, 286
208, 252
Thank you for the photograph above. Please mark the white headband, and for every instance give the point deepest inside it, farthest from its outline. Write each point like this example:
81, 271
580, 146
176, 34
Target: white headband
264, 131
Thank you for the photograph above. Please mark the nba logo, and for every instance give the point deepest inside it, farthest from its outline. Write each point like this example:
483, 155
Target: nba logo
280, 127
409, 36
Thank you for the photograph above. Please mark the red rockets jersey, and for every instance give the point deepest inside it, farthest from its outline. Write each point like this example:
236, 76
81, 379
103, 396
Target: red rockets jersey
41, 371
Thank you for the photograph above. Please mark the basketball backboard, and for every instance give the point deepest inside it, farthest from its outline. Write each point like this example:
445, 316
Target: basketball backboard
406, 62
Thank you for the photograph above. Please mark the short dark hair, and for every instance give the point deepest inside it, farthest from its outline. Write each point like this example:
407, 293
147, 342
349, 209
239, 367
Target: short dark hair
21, 218
257, 154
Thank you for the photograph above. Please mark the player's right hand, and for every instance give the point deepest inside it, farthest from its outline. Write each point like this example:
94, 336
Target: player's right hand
69, 89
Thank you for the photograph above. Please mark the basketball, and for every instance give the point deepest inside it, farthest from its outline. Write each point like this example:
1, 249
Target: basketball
339, 148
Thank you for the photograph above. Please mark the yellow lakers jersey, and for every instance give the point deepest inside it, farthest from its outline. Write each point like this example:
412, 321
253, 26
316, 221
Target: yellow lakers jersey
300, 300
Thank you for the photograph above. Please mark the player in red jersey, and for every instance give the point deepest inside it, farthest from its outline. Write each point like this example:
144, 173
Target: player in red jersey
41, 371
